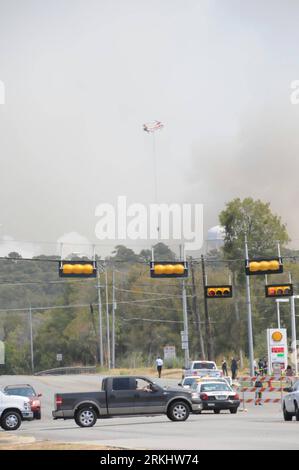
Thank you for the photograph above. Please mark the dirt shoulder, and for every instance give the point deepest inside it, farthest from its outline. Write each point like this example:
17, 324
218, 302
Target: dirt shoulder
12, 442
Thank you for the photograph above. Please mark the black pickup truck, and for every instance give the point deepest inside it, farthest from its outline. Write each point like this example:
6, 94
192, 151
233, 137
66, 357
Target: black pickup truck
125, 396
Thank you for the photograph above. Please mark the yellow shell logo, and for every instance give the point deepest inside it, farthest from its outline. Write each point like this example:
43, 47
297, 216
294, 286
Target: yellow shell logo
277, 336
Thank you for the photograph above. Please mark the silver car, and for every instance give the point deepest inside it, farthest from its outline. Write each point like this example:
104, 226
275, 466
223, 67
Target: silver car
291, 403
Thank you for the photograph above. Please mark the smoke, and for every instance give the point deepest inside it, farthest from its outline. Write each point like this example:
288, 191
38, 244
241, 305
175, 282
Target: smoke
260, 161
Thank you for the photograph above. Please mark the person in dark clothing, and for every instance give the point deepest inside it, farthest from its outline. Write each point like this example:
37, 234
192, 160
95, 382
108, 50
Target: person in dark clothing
261, 366
258, 394
224, 367
234, 368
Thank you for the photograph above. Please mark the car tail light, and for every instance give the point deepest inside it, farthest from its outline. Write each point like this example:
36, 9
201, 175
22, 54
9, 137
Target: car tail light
236, 397
58, 400
204, 396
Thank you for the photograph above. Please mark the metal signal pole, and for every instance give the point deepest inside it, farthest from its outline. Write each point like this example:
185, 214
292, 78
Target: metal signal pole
100, 320
31, 339
186, 333
113, 319
207, 318
107, 320
249, 316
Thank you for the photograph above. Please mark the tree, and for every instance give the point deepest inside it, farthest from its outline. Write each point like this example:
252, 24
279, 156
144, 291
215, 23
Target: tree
263, 228
122, 253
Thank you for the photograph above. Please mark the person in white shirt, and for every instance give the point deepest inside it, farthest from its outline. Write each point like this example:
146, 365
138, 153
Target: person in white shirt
159, 363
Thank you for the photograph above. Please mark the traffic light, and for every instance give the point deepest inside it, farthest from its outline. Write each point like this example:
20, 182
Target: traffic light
168, 269
218, 292
263, 266
77, 269
279, 290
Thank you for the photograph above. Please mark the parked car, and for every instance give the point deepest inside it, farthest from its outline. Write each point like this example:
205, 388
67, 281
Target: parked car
122, 396
216, 396
291, 403
187, 382
202, 368
26, 390
13, 410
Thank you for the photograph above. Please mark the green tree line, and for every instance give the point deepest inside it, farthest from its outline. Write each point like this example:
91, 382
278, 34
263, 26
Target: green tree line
149, 311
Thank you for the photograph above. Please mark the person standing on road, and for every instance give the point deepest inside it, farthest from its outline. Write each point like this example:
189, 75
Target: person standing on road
234, 368
261, 366
258, 394
159, 364
224, 367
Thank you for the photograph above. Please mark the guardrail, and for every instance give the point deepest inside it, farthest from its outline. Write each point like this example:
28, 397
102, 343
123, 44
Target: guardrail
68, 370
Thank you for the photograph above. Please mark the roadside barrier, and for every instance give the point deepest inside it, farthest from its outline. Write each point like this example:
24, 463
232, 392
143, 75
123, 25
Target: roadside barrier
267, 388
68, 370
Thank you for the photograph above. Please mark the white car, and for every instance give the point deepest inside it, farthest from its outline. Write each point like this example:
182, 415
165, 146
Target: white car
188, 381
216, 396
291, 403
13, 410
203, 368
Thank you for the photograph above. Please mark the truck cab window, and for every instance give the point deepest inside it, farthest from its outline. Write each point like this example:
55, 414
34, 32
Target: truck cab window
122, 383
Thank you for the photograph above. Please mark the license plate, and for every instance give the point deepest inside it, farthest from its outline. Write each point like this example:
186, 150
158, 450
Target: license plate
220, 397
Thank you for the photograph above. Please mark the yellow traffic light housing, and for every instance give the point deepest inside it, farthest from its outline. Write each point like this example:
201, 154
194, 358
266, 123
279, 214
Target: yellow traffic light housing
167, 269
263, 266
279, 290
219, 292
77, 269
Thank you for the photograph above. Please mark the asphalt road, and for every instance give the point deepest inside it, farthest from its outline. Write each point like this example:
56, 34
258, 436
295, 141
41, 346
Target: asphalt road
259, 428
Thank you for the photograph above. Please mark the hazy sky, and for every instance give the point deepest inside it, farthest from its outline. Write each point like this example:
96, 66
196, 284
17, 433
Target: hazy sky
82, 76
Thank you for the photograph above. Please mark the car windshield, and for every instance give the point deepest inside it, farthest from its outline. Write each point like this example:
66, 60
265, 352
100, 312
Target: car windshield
219, 387
21, 392
189, 381
204, 365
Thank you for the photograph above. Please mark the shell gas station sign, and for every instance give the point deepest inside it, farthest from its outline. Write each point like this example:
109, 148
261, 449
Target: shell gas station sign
277, 349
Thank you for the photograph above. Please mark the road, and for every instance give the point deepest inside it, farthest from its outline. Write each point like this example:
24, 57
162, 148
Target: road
259, 428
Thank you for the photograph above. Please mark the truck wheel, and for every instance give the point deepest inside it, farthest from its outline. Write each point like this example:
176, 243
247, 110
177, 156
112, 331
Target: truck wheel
234, 411
296, 412
178, 411
217, 412
10, 420
287, 416
86, 417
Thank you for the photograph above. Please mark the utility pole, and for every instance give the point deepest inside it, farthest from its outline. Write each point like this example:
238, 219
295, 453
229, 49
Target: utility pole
197, 313
31, 339
294, 337
100, 320
249, 316
207, 318
186, 333
113, 319
107, 320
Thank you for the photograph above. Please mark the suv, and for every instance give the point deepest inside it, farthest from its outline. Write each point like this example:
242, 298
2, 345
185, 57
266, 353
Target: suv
291, 403
13, 410
28, 391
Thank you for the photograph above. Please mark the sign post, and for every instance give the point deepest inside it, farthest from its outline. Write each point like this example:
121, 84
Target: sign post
277, 350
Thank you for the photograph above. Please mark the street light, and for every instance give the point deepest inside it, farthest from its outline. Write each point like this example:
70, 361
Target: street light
278, 310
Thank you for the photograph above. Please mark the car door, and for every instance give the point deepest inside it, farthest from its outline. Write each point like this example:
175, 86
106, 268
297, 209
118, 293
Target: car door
1, 403
121, 396
151, 401
290, 399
